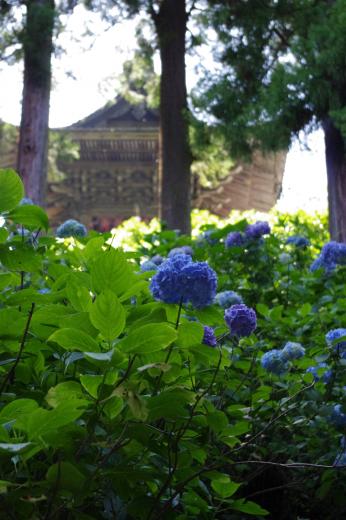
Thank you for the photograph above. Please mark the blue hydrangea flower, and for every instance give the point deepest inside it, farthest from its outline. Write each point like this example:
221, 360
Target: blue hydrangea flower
292, 350
332, 336
343, 443
207, 236
325, 377
71, 228
285, 258
148, 265
45, 290
338, 417
241, 319
209, 337
227, 298
340, 460
26, 201
273, 361
183, 250
235, 238
180, 279
332, 254
298, 241
257, 230
157, 259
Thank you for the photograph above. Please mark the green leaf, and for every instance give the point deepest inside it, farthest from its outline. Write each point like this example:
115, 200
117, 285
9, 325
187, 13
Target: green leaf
79, 296
17, 410
91, 383
148, 338
66, 391
30, 216
21, 258
65, 475
217, 420
111, 270
249, 507
113, 407
3, 234
190, 334
12, 190
74, 339
223, 485
108, 315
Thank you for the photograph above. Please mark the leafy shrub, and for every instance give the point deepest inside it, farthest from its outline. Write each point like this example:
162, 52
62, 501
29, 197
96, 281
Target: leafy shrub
117, 405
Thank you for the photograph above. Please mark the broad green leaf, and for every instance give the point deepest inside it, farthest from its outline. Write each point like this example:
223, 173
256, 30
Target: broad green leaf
113, 407
135, 289
108, 315
91, 383
30, 216
223, 485
217, 420
12, 190
21, 258
148, 338
137, 406
111, 270
18, 410
249, 507
79, 296
65, 475
66, 391
74, 339
190, 334
3, 234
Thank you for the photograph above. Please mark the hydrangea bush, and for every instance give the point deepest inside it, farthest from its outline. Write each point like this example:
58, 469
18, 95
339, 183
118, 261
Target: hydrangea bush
136, 393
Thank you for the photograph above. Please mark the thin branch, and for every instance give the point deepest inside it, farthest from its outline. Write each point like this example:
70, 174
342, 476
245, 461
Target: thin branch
11, 373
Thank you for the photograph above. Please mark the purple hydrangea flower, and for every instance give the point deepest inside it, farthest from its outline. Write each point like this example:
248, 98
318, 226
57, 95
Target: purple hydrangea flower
273, 361
257, 230
209, 337
179, 279
338, 417
325, 377
298, 241
292, 351
235, 238
241, 319
71, 228
227, 298
332, 336
332, 254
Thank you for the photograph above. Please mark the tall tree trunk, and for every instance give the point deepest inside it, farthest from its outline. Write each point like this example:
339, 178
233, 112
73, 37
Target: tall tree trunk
336, 175
175, 154
33, 138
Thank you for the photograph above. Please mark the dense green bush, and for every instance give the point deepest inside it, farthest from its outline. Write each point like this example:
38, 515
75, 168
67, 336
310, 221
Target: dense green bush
112, 404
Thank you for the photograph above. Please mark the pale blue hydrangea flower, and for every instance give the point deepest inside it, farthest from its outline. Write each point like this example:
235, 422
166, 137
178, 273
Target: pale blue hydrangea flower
334, 335
148, 265
71, 228
325, 377
293, 350
227, 298
274, 362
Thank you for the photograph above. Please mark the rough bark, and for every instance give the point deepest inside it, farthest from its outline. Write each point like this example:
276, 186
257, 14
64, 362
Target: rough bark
33, 139
336, 175
175, 156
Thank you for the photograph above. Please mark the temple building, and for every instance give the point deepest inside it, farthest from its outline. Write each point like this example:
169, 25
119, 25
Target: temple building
116, 173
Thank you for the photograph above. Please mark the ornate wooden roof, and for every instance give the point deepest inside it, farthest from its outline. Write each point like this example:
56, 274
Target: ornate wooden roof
118, 114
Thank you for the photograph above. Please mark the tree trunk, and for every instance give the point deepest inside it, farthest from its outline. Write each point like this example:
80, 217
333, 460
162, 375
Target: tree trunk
175, 157
336, 175
33, 138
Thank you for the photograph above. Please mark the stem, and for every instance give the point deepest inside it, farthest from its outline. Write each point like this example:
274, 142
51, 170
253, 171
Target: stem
10, 374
